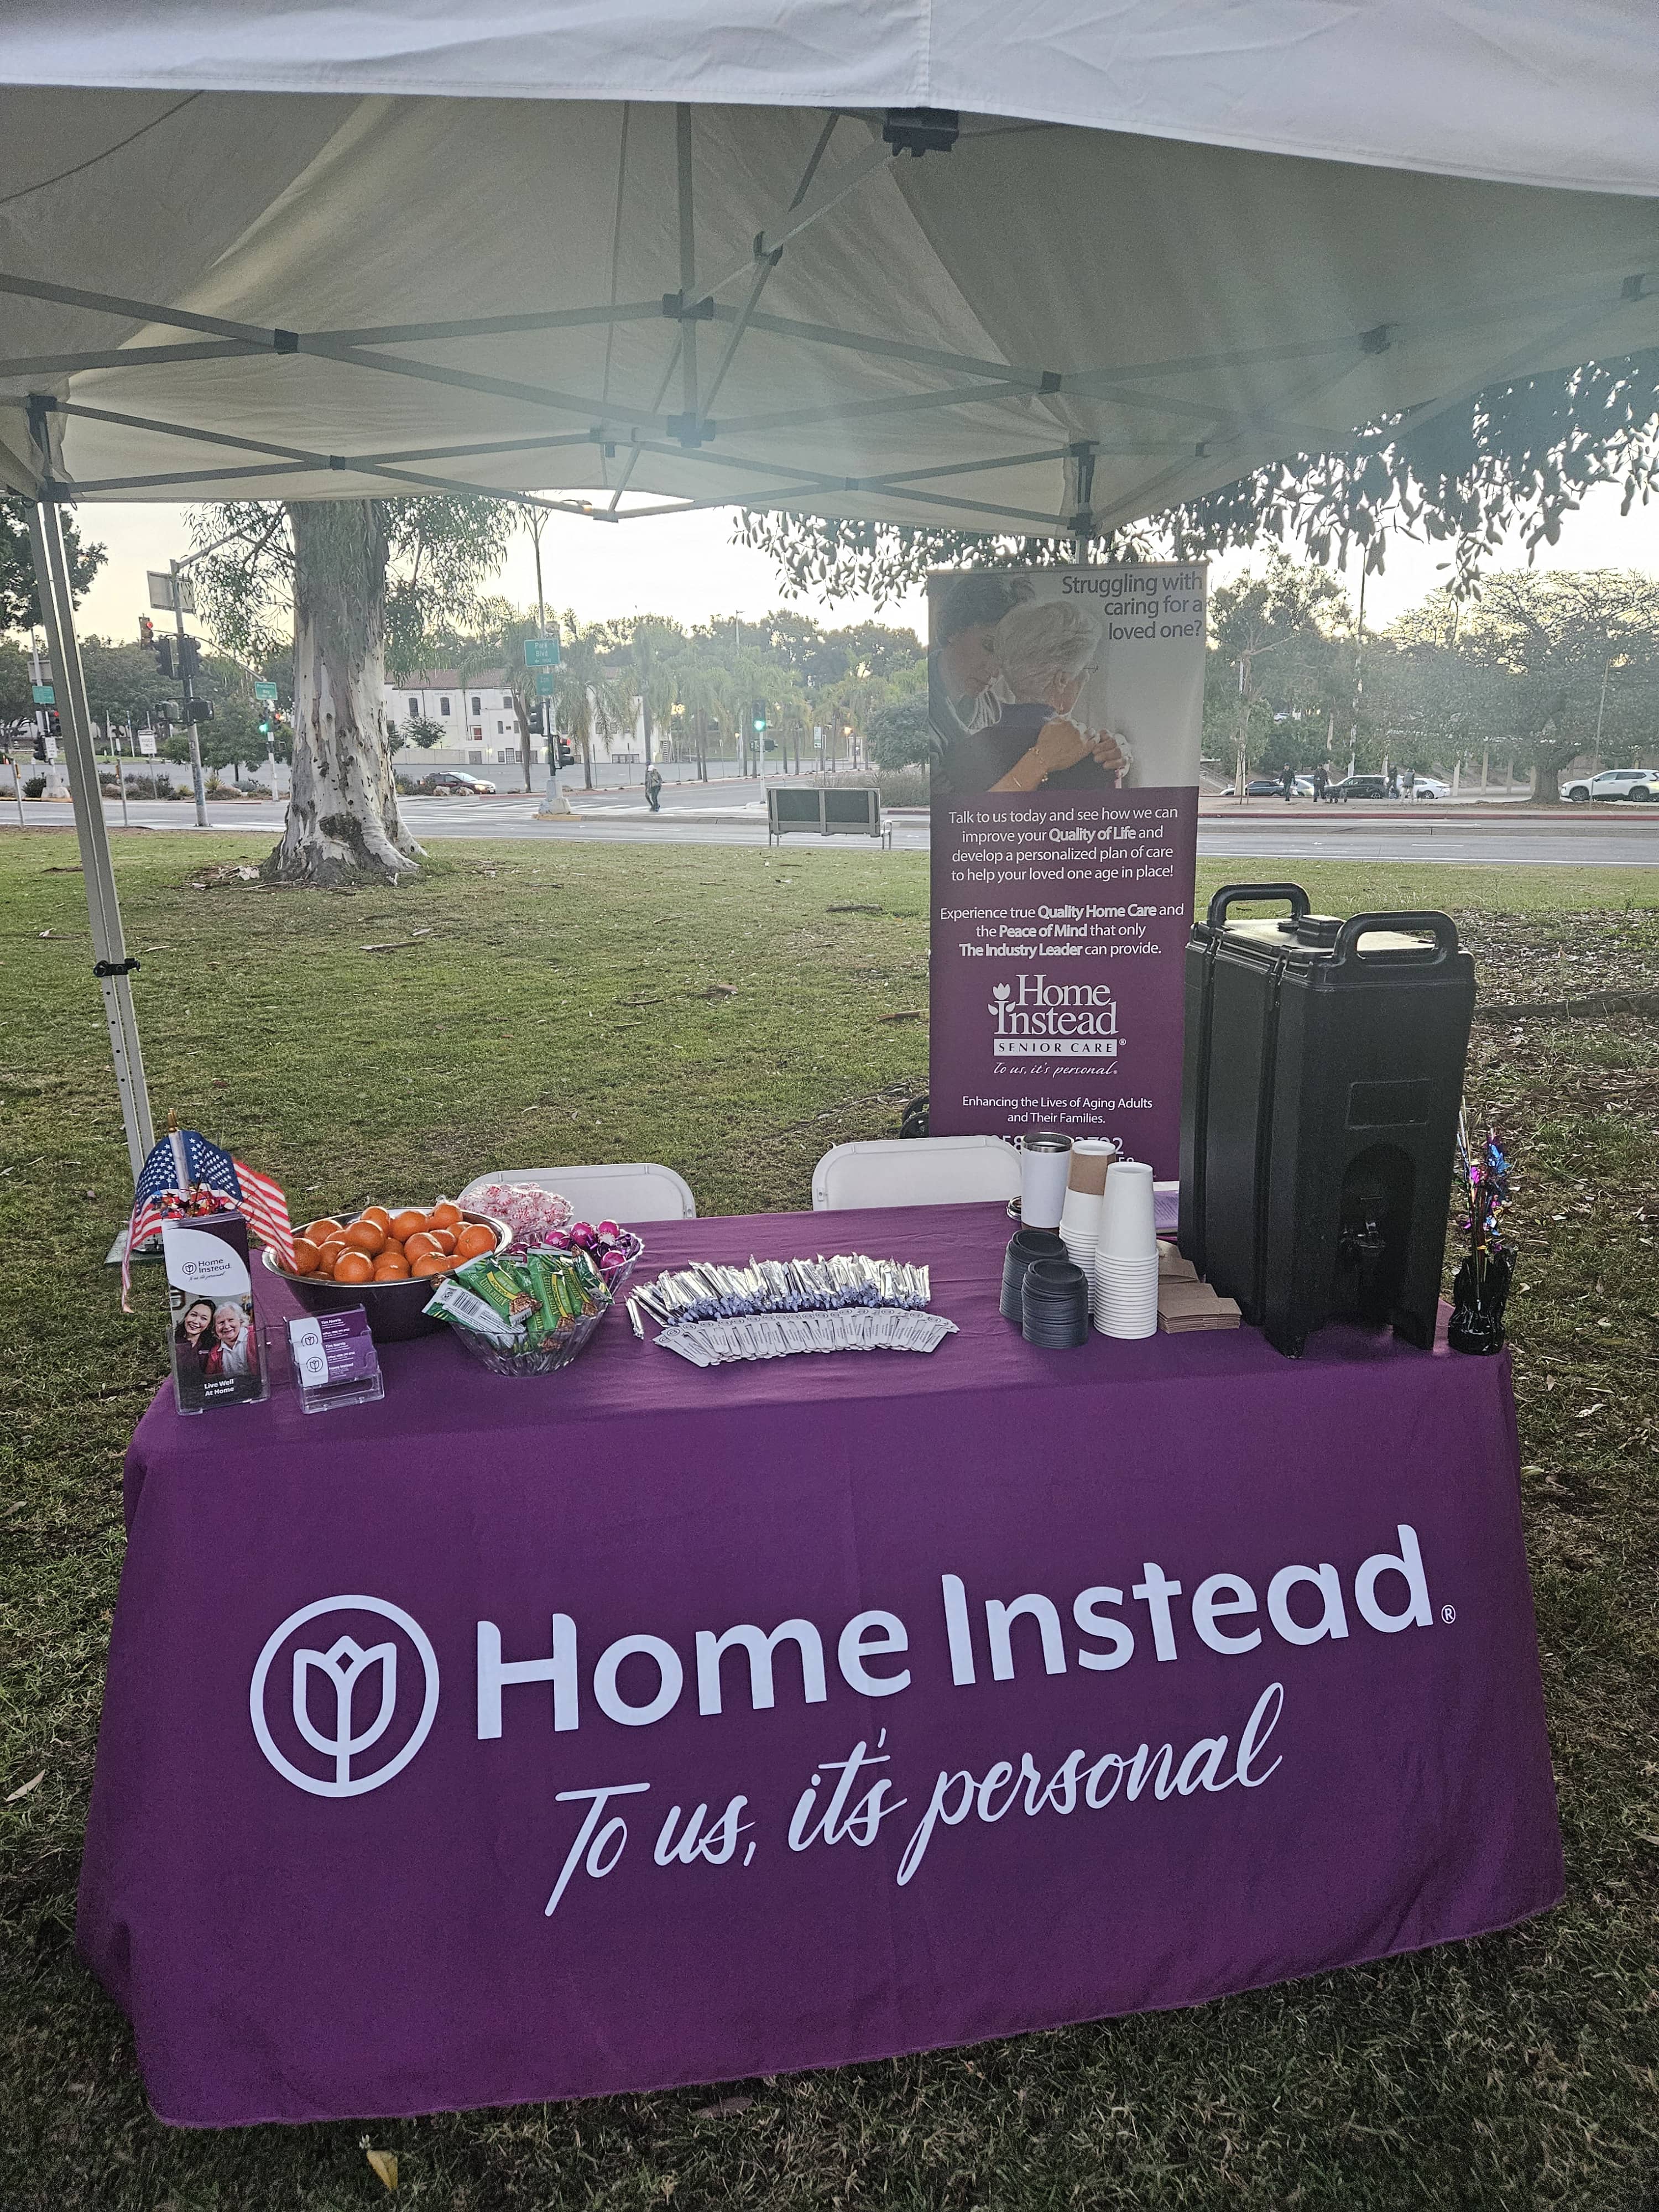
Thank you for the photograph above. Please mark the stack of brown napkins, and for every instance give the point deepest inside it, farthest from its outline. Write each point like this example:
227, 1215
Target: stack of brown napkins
1183, 1303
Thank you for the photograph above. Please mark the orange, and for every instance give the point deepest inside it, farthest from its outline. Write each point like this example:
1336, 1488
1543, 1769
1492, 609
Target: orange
320, 1231
446, 1214
433, 1263
475, 1240
420, 1244
443, 1239
388, 1270
377, 1213
306, 1256
366, 1235
407, 1225
353, 1268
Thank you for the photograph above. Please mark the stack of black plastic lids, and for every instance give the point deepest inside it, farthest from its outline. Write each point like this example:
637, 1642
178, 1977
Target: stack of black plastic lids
1054, 1305
1025, 1246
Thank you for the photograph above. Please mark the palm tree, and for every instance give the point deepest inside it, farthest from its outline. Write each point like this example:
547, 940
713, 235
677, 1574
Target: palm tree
651, 646
587, 701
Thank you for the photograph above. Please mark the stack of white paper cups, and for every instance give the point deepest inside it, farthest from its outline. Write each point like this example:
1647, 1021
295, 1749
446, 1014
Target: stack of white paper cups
1080, 1220
1079, 1232
1126, 1265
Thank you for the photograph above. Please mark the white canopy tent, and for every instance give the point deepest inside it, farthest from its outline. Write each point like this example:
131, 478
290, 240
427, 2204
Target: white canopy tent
252, 251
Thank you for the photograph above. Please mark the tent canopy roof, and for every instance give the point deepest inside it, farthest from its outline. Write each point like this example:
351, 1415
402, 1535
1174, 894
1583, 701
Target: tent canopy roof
228, 294
1540, 92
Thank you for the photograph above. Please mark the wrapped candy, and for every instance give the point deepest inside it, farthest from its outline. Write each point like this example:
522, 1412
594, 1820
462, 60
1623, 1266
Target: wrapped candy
535, 1216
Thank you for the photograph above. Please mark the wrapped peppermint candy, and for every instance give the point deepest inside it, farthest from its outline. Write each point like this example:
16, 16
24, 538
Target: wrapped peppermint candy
536, 1217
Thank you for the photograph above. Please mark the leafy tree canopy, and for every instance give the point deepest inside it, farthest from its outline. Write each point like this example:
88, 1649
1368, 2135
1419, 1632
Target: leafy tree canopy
1517, 457
20, 605
443, 552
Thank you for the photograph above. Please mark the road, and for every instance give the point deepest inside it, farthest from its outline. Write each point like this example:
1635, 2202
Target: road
735, 814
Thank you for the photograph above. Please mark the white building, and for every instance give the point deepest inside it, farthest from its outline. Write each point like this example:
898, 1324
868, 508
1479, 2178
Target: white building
477, 716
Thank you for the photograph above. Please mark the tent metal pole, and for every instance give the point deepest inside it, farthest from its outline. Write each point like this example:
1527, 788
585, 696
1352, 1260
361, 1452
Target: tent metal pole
763, 269
688, 266
111, 964
771, 238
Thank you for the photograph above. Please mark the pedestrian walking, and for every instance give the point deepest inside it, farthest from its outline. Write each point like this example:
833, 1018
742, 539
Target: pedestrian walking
1287, 783
1322, 782
654, 789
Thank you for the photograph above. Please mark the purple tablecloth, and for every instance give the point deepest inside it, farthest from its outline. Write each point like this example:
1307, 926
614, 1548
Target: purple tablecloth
940, 1805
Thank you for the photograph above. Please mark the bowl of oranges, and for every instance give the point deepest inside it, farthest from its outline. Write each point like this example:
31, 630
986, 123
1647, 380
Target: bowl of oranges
385, 1259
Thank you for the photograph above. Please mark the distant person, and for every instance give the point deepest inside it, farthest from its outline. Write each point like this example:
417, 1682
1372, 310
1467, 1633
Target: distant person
1410, 783
654, 789
1322, 782
1045, 651
1287, 783
966, 688
1393, 783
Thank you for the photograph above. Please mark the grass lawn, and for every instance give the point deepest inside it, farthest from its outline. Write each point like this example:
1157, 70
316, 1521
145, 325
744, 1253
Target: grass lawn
709, 1008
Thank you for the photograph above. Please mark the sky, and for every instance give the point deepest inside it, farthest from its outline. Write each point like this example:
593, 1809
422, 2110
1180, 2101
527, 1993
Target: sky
688, 567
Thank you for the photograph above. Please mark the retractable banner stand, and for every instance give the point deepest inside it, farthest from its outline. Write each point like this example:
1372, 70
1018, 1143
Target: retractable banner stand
1067, 708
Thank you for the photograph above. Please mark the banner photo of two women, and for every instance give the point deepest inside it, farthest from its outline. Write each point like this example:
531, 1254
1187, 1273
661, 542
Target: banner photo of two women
1065, 708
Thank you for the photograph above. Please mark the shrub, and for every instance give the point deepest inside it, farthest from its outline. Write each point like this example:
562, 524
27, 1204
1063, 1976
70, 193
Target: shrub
34, 788
899, 787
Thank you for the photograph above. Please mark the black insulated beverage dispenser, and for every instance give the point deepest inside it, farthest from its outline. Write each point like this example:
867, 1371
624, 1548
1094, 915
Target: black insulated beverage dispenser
1321, 1087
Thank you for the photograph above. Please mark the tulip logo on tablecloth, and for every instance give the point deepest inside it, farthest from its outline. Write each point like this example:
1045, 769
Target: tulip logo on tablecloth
342, 1699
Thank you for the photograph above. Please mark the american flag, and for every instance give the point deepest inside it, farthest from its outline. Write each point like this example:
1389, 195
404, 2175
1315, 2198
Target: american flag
185, 1174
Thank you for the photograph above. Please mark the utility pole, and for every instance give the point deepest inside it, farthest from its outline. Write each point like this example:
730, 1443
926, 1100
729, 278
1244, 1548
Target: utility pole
1358, 678
1596, 756
534, 526
202, 822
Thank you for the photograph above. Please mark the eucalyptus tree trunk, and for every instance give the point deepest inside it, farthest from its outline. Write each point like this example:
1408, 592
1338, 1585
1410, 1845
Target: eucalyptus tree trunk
342, 820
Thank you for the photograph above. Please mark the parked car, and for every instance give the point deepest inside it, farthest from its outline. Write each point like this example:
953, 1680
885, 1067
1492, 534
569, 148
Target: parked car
1360, 787
452, 783
1430, 787
1260, 786
1637, 783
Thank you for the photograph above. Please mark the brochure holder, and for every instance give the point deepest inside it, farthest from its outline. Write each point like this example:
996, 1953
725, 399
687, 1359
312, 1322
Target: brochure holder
335, 1362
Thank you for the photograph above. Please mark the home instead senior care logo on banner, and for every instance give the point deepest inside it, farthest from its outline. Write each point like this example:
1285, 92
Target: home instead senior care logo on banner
345, 1692
1067, 708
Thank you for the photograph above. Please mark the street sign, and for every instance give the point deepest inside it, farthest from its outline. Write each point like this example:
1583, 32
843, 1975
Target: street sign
264, 690
541, 651
160, 591
545, 683
147, 743
45, 696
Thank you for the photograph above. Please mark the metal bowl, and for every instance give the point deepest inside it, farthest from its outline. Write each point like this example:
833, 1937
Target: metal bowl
394, 1309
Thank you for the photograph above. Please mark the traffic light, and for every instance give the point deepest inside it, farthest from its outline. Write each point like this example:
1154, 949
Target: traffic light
39, 746
189, 658
198, 710
758, 716
537, 724
147, 632
264, 728
567, 753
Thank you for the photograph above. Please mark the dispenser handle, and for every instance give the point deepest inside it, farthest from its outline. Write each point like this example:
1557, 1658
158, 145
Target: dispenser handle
1441, 926
1221, 900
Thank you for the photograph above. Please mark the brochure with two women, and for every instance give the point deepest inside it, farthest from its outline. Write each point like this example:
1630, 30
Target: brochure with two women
215, 1339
